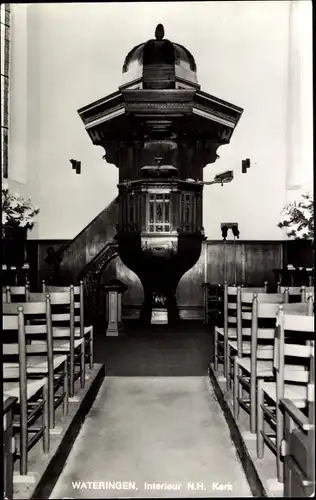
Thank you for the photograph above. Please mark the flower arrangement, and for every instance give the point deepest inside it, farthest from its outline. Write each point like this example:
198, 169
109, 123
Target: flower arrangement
298, 218
16, 211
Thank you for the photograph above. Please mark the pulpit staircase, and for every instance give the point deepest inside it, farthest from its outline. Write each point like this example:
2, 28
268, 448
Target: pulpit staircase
85, 257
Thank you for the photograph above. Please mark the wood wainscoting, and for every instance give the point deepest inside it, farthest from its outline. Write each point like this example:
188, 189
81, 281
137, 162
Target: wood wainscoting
256, 261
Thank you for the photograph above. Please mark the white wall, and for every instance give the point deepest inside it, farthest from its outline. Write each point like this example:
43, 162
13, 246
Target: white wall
75, 54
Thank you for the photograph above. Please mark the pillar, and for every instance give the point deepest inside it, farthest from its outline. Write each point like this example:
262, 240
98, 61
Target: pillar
113, 312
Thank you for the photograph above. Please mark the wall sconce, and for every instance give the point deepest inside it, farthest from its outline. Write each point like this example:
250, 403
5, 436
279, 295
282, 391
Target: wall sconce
245, 164
224, 229
235, 230
222, 178
76, 165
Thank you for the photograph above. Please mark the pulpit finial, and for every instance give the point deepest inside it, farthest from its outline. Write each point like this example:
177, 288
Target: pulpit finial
160, 32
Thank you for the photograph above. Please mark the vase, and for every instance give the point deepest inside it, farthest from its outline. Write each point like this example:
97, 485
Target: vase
14, 246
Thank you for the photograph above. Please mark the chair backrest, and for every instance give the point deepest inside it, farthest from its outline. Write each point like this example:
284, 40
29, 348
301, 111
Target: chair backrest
307, 291
292, 290
311, 408
72, 312
253, 290
296, 291
264, 306
6, 296
28, 308
304, 308
230, 294
78, 293
16, 323
296, 351
270, 298
256, 289
56, 298
33, 310
18, 291
10, 322
54, 288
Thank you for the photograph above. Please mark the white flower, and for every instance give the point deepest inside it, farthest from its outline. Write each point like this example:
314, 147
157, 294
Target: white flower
294, 227
14, 203
307, 214
286, 218
17, 210
302, 232
28, 212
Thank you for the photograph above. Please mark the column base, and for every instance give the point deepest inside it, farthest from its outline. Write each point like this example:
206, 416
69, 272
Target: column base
116, 331
159, 316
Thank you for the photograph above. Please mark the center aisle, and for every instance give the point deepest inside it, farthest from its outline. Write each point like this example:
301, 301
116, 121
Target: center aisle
166, 436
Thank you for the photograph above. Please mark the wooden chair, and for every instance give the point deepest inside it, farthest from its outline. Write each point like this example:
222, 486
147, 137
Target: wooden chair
299, 443
32, 394
242, 344
221, 335
81, 330
229, 331
247, 370
64, 340
290, 381
41, 360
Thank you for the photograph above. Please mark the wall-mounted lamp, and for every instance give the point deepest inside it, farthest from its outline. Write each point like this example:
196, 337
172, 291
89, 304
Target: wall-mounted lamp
235, 230
222, 178
76, 165
224, 229
245, 164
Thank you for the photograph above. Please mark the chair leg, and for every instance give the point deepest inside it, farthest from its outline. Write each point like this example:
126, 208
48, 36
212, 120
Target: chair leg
23, 439
66, 389
228, 379
51, 402
260, 420
279, 438
91, 349
236, 389
215, 350
253, 403
46, 437
83, 364
71, 374
225, 355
